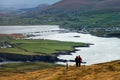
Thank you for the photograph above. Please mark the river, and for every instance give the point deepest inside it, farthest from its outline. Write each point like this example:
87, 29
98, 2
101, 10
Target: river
103, 50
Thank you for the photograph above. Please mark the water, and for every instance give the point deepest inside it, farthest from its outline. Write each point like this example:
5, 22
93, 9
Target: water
103, 50
27, 29
10, 62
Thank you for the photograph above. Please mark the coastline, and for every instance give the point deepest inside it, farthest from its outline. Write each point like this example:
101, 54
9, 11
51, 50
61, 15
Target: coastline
32, 58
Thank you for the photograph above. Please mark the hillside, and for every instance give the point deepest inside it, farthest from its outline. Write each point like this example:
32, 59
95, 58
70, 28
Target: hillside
107, 4
28, 11
103, 71
72, 4
80, 6
96, 16
69, 12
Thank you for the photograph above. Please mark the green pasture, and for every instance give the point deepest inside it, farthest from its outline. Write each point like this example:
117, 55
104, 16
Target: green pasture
39, 47
25, 66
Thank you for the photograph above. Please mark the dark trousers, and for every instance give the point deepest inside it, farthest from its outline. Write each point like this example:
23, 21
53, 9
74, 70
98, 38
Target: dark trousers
79, 64
76, 64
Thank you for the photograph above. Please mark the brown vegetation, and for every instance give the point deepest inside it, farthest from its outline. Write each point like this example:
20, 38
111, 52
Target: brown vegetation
73, 4
85, 5
103, 71
14, 36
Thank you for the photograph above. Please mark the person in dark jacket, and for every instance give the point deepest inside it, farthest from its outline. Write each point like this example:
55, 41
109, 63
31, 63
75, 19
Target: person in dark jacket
76, 61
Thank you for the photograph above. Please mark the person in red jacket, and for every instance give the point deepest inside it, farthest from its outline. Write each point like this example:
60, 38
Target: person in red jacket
79, 61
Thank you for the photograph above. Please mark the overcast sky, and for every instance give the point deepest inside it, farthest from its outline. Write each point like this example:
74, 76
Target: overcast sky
24, 3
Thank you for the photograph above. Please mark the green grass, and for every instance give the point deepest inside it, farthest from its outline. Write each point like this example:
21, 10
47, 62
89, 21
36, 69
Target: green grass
27, 66
14, 51
106, 19
11, 69
45, 47
92, 18
4, 38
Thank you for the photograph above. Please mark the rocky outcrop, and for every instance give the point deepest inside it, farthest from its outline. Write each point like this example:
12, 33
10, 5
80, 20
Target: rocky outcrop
43, 58
19, 57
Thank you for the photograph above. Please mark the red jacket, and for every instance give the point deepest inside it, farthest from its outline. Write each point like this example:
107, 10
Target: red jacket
79, 59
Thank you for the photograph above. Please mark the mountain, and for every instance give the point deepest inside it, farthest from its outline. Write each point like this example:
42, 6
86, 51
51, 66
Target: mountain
78, 5
13, 10
107, 4
29, 11
85, 5
68, 5
73, 4
35, 9
73, 15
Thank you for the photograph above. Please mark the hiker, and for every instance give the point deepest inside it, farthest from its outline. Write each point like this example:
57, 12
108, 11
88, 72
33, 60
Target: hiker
76, 61
67, 65
79, 61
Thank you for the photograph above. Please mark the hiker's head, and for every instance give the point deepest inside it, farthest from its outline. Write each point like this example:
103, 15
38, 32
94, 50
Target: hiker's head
79, 56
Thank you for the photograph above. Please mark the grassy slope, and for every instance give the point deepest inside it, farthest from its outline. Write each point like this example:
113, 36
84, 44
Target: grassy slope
39, 47
103, 71
11, 69
94, 18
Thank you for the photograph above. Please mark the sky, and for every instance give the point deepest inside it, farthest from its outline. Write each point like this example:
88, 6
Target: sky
24, 3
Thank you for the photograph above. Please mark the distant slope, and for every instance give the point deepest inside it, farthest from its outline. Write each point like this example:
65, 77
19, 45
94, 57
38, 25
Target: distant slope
69, 5
103, 71
71, 14
73, 4
107, 4
14, 11
81, 5
34, 10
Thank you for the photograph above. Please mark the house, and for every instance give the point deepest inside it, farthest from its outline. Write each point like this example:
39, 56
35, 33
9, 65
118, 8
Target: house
5, 44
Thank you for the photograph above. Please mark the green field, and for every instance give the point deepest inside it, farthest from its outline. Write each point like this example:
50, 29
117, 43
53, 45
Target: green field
39, 47
26, 66
11, 69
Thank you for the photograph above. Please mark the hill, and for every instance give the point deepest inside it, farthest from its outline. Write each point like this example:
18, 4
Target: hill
68, 11
102, 71
17, 11
98, 17
81, 6
107, 4
72, 4
35, 9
